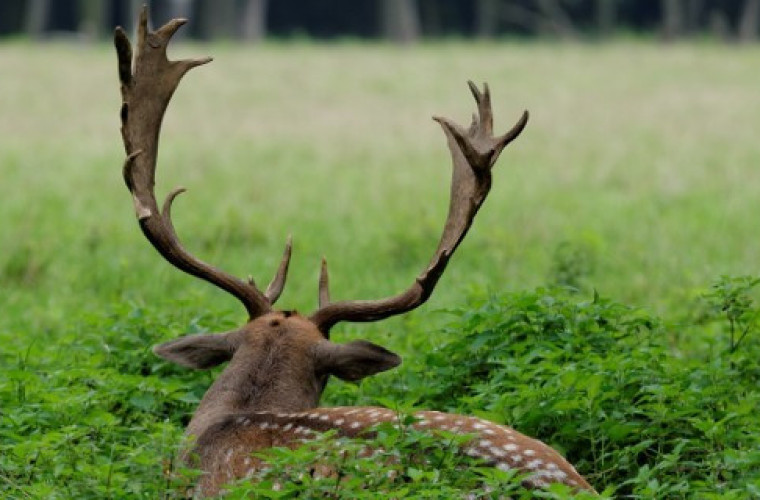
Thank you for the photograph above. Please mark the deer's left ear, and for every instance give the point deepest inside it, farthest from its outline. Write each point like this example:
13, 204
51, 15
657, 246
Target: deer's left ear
199, 351
353, 361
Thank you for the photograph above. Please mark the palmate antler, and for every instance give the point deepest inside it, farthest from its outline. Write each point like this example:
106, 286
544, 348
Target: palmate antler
147, 84
474, 152
146, 89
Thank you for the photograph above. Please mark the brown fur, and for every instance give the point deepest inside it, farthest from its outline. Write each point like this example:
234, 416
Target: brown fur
268, 395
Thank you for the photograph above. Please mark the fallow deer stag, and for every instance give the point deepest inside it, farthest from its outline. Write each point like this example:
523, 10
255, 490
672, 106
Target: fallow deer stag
280, 361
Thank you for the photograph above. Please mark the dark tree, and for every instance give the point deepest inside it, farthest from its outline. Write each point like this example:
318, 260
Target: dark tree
749, 23
556, 18
400, 20
606, 14
218, 19
253, 20
37, 16
92, 19
487, 18
12, 16
694, 10
672, 19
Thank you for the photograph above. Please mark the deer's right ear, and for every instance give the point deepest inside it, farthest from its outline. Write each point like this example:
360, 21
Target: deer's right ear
199, 351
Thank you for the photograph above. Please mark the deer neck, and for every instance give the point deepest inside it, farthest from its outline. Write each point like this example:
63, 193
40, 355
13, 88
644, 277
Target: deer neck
267, 382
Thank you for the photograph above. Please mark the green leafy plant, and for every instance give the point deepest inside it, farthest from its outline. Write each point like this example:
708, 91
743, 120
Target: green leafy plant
731, 298
572, 264
598, 381
96, 415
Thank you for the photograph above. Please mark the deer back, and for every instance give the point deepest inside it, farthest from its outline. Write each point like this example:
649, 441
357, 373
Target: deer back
226, 450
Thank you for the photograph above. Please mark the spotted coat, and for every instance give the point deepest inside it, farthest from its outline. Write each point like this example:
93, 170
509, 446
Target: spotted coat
225, 449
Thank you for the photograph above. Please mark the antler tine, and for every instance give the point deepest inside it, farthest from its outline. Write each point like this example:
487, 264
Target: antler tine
148, 81
324, 285
275, 287
474, 152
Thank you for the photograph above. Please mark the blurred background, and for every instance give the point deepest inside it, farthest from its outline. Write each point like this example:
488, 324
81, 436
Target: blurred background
402, 21
637, 174
636, 180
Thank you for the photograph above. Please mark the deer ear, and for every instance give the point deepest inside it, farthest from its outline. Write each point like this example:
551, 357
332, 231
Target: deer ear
353, 361
199, 351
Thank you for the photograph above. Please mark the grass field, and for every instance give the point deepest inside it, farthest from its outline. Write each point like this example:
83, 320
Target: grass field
638, 176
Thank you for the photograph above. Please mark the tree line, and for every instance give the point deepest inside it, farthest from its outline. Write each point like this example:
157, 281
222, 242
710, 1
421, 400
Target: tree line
401, 21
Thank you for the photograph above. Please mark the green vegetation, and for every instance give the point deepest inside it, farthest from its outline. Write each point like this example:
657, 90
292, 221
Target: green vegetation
636, 177
395, 466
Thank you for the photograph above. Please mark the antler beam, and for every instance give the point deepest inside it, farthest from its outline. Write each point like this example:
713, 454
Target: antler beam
474, 152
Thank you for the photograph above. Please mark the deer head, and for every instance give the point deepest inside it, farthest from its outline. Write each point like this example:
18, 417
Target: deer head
279, 361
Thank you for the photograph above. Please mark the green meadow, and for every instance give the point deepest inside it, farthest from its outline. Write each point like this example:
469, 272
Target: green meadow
637, 179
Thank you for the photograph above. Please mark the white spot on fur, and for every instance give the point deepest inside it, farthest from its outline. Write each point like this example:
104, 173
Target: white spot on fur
529, 453
510, 447
497, 452
339, 421
478, 426
535, 464
287, 427
484, 443
356, 425
324, 417
503, 466
516, 457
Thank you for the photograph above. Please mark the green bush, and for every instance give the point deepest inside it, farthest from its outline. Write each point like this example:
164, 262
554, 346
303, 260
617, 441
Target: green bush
96, 415
600, 382
398, 462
